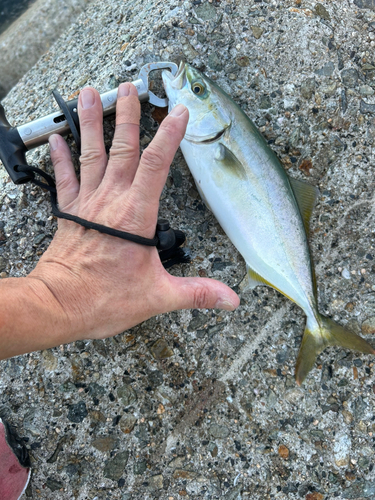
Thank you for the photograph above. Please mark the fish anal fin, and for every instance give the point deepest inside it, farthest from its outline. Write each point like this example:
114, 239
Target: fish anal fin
253, 279
306, 196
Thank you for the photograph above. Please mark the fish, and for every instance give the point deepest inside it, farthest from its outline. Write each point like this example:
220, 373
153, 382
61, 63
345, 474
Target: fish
264, 212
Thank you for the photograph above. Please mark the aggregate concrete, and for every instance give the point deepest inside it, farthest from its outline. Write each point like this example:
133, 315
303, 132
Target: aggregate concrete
203, 404
31, 35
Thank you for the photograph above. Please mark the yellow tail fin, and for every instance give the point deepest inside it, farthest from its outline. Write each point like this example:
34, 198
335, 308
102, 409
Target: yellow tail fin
329, 333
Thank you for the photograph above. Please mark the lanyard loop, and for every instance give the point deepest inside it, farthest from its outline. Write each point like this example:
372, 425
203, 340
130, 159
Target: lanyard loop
166, 240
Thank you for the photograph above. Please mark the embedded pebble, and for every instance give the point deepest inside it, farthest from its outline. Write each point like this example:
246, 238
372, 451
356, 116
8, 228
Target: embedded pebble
127, 423
326, 70
205, 11
161, 350
257, 31
114, 468
368, 326
341, 449
219, 431
283, 452
127, 395
140, 467
366, 107
366, 90
156, 482
77, 412
365, 4
50, 361
349, 77
345, 273
308, 88
105, 443
322, 11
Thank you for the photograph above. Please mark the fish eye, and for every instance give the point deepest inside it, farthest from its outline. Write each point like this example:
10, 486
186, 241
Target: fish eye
198, 88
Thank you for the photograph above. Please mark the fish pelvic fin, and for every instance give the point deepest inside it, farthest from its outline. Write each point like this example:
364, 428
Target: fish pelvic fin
327, 333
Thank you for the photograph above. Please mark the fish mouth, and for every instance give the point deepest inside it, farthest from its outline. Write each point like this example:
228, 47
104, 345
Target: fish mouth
207, 139
181, 68
178, 80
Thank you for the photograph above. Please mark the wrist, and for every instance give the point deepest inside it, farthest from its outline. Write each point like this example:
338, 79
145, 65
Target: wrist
30, 317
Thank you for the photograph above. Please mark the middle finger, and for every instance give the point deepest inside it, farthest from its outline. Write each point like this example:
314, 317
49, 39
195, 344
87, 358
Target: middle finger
124, 154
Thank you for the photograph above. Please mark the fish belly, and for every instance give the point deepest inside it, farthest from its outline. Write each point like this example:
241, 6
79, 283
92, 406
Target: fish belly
259, 214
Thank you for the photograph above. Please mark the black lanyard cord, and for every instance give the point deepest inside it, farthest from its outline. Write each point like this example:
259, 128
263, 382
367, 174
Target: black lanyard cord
171, 254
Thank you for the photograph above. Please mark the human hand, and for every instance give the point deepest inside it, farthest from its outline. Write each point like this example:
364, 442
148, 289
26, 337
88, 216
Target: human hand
104, 285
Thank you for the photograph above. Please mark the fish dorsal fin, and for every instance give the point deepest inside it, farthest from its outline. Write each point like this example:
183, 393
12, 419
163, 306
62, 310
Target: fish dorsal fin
230, 162
251, 280
306, 196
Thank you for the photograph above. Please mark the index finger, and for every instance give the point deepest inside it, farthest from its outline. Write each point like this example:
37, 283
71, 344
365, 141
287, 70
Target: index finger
156, 159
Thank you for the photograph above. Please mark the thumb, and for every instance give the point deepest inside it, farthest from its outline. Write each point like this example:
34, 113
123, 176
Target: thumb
201, 293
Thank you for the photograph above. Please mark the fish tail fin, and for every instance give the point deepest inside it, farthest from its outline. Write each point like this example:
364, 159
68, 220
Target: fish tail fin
325, 333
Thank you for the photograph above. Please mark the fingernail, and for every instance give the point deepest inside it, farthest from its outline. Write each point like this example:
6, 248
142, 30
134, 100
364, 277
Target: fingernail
87, 98
53, 142
178, 110
225, 304
124, 90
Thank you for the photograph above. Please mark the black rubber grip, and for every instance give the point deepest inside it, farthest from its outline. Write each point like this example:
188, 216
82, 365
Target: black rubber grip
12, 150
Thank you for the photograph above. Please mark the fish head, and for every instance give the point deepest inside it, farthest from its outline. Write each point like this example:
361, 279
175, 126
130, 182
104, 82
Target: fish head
208, 118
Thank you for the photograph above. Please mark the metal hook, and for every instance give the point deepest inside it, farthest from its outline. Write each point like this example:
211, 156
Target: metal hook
144, 73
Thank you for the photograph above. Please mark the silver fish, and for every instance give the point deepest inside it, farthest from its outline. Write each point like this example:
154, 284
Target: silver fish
264, 212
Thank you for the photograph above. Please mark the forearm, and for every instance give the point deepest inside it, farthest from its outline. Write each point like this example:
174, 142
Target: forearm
30, 318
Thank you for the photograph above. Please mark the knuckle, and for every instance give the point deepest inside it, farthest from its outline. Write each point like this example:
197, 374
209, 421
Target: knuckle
63, 183
153, 157
88, 119
91, 156
124, 152
57, 158
201, 296
169, 128
134, 219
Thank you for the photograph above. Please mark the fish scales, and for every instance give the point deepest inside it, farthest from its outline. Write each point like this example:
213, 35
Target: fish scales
263, 212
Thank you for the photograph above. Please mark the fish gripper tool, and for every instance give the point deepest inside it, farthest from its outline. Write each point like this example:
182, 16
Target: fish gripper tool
16, 141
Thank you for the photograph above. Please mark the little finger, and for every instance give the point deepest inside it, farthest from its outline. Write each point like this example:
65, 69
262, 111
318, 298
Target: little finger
66, 180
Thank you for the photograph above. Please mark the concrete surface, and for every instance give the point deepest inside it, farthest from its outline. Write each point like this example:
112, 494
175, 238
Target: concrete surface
31, 35
203, 404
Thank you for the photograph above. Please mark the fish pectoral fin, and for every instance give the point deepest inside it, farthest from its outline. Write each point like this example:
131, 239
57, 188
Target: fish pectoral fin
229, 162
306, 196
251, 280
